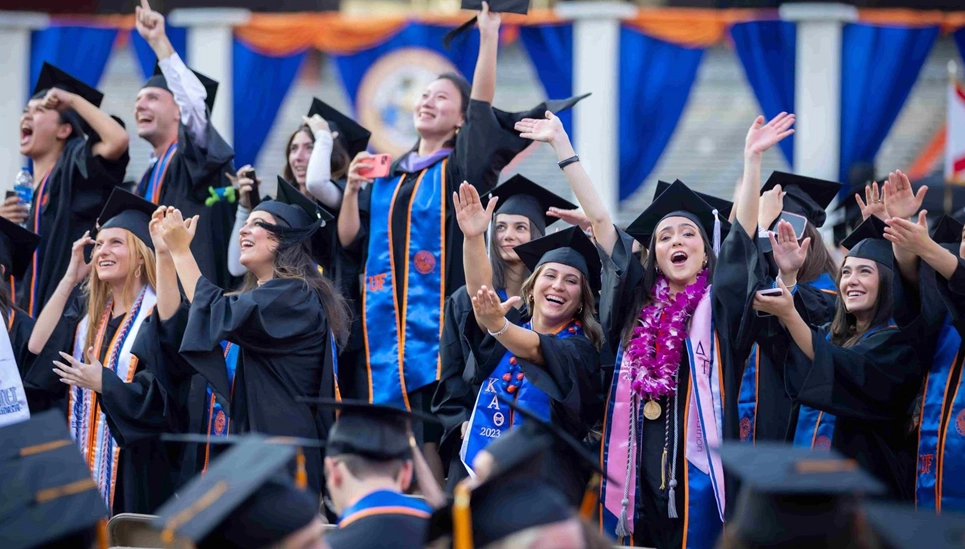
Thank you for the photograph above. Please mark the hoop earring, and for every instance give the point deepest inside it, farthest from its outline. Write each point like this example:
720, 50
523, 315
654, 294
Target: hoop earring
657, 267
580, 311
457, 129
137, 273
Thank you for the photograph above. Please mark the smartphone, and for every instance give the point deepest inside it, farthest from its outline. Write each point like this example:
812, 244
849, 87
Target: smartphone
9, 194
798, 223
376, 166
770, 292
254, 197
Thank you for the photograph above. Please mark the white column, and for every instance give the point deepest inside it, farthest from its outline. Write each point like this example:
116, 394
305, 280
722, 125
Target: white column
209, 52
596, 55
15, 30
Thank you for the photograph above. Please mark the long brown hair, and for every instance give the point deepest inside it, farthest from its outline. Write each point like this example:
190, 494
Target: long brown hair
340, 159
844, 327
818, 260
586, 314
98, 292
496, 261
296, 262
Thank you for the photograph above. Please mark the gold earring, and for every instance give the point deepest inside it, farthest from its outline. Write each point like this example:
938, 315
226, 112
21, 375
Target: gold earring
137, 273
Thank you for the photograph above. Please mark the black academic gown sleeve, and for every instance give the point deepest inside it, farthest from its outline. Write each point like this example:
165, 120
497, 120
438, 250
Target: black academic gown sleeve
952, 291
870, 387
19, 338
622, 273
43, 387
454, 396
283, 333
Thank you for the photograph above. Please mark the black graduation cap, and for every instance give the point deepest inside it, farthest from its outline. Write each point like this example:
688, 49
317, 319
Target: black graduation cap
498, 6
900, 527
805, 196
570, 247
794, 497
867, 241
52, 77
49, 496
680, 200
947, 231
297, 217
520, 196
354, 137
241, 501
17, 247
126, 210
724, 207
157, 80
373, 431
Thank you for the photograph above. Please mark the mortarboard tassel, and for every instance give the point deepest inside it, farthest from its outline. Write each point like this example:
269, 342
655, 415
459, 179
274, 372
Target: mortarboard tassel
301, 475
461, 517
716, 233
102, 541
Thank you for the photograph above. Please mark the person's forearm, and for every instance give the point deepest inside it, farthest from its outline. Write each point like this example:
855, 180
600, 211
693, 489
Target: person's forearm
168, 295
747, 202
348, 219
603, 230
113, 137
940, 259
522, 342
162, 48
800, 333
49, 317
318, 178
188, 272
484, 77
907, 264
476, 264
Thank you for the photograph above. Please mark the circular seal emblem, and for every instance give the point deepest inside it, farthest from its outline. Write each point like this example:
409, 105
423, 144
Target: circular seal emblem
388, 92
960, 423
822, 442
424, 261
745, 429
220, 422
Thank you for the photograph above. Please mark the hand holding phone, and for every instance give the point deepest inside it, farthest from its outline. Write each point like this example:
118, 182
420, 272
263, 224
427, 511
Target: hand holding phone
376, 166
770, 292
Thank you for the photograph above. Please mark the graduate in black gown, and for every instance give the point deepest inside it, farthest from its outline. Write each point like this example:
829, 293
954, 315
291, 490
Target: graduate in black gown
90, 342
522, 214
936, 265
173, 114
79, 155
766, 412
677, 341
17, 247
862, 368
286, 320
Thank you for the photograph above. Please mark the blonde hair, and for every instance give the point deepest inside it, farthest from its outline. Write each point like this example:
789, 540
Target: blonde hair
98, 292
586, 314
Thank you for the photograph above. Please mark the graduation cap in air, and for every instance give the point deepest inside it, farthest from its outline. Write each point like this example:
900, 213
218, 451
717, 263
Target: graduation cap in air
126, 210
724, 207
157, 80
520, 196
570, 247
677, 200
49, 497
900, 527
353, 136
243, 500
17, 247
52, 77
297, 217
497, 6
794, 497
372, 431
947, 231
805, 196
867, 241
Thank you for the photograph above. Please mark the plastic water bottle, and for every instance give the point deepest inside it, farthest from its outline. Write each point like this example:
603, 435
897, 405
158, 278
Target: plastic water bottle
24, 187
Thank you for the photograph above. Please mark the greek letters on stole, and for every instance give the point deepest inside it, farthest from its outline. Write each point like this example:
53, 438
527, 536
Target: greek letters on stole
87, 422
489, 417
403, 356
940, 481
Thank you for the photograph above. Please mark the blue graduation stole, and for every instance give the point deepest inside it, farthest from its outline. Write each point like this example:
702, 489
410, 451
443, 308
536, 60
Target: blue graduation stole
403, 356
215, 416
941, 437
489, 419
815, 429
384, 502
747, 401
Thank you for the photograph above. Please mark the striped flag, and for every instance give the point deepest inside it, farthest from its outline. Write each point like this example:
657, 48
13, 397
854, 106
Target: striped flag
955, 142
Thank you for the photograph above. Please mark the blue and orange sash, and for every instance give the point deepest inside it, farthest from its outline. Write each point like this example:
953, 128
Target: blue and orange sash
40, 201
489, 418
750, 382
941, 437
384, 502
150, 185
216, 418
403, 356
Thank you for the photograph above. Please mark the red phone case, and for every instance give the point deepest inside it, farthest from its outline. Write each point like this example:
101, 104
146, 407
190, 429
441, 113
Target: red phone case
378, 167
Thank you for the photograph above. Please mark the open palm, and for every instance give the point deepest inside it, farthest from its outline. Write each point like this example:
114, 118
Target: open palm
761, 136
788, 254
473, 219
547, 130
899, 198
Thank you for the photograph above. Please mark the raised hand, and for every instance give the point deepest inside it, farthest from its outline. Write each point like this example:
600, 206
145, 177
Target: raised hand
78, 268
154, 226
59, 100
549, 130
898, 197
770, 206
317, 124
14, 210
911, 237
489, 311
573, 217
488, 21
244, 183
761, 136
473, 219
87, 375
355, 182
788, 254
149, 23
873, 203
178, 232
780, 306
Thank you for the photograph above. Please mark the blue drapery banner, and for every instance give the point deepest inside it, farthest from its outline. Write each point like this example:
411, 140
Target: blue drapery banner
879, 67
145, 55
960, 40
550, 49
81, 51
767, 51
260, 85
655, 82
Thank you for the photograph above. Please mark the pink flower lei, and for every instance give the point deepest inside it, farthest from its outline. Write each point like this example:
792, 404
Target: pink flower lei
665, 320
